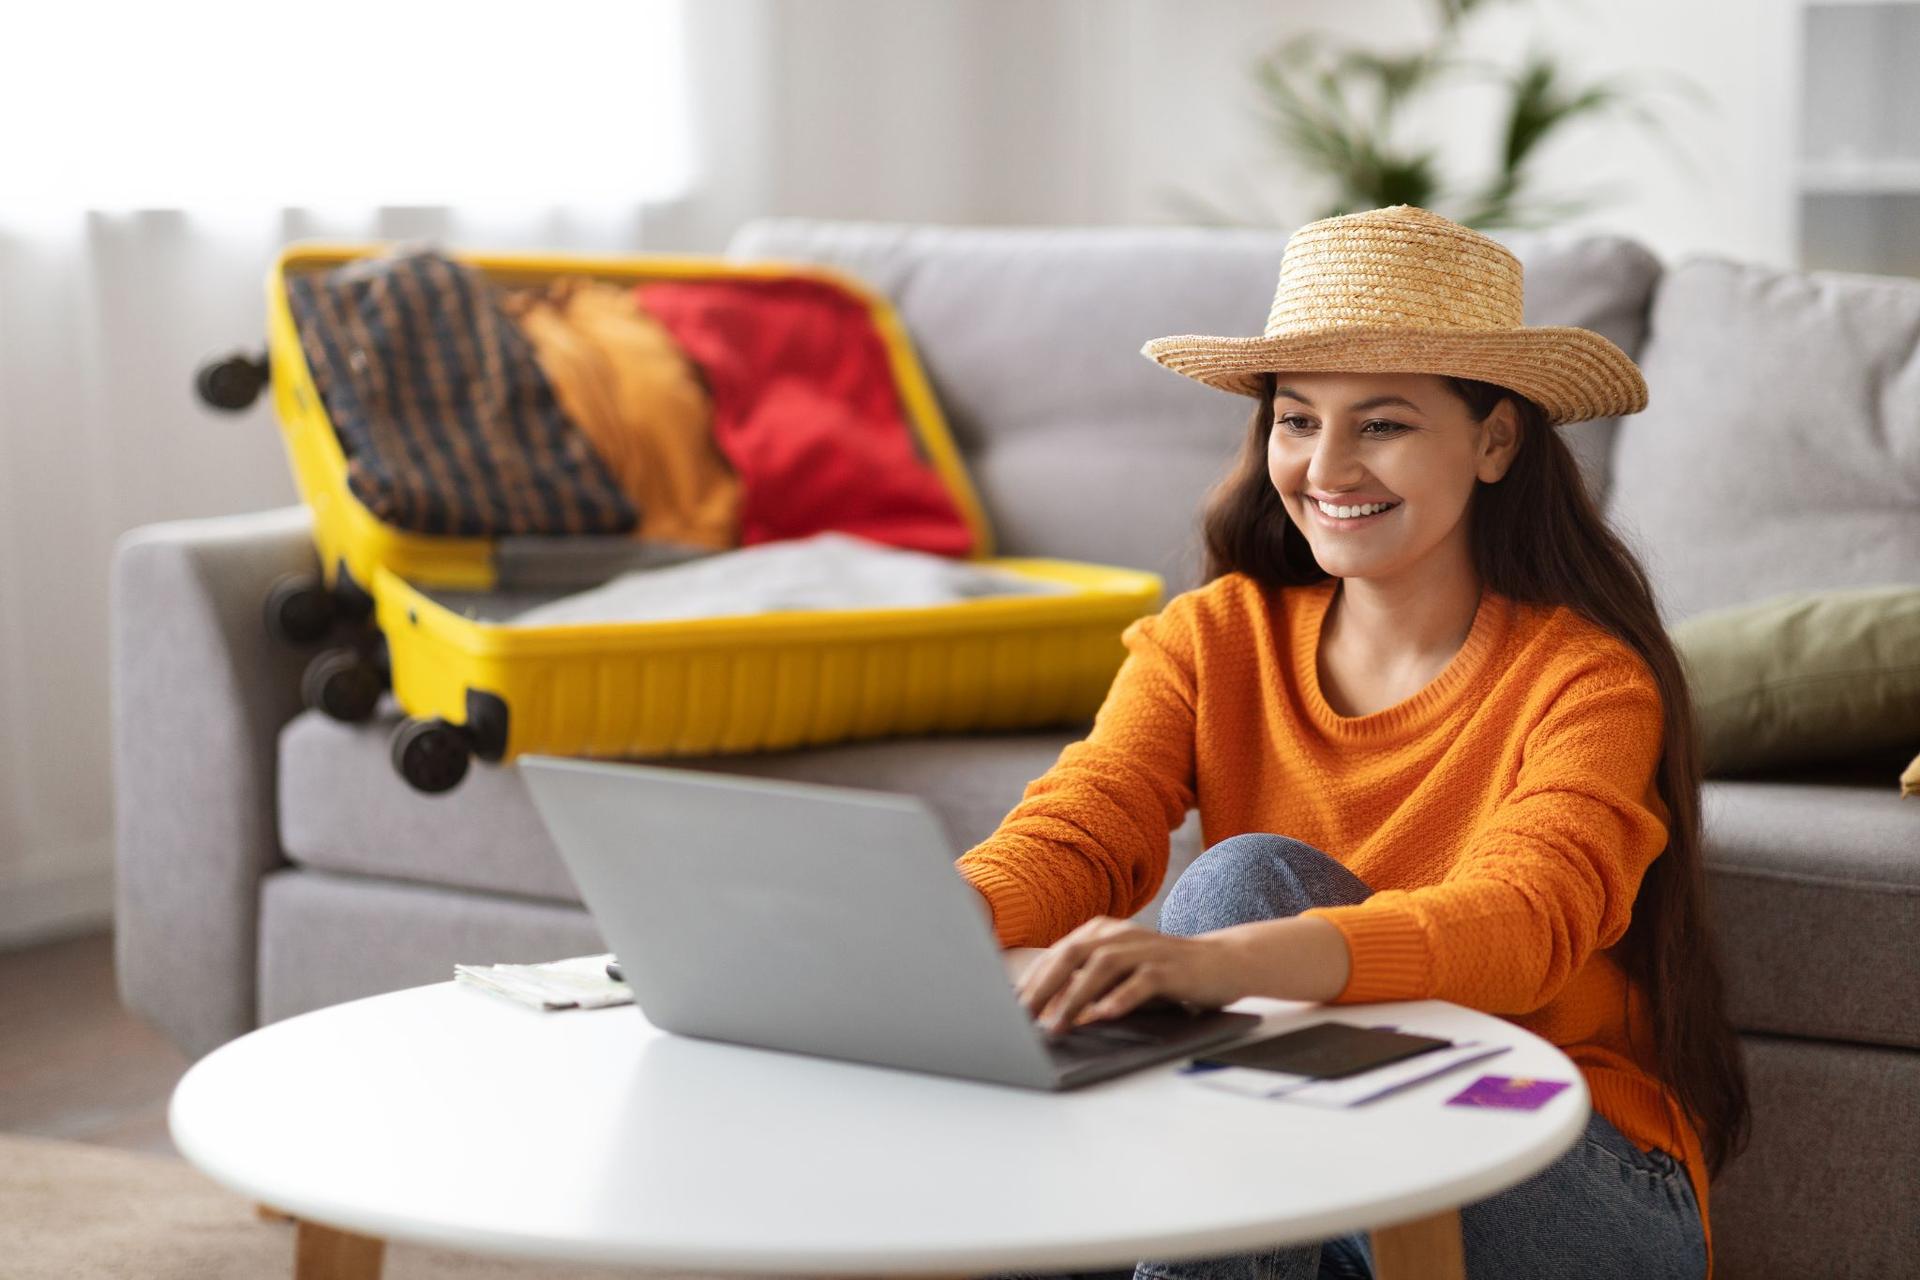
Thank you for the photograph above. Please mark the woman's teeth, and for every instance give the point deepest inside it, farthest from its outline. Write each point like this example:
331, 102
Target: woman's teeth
1349, 513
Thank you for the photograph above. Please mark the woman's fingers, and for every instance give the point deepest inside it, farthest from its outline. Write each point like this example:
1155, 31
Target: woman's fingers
1138, 987
1108, 965
1051, 971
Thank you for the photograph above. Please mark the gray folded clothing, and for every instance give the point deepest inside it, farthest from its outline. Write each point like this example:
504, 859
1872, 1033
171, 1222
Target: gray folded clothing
825, 571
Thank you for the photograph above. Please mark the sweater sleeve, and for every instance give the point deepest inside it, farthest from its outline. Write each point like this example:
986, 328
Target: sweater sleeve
1090, 836
1546, 880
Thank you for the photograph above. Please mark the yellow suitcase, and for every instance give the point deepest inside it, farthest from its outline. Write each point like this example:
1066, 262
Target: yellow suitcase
475, 686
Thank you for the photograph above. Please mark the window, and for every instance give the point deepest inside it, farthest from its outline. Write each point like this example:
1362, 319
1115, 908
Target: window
212, 103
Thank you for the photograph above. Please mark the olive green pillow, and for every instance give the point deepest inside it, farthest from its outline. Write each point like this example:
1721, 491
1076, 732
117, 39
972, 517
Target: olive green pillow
1805, 676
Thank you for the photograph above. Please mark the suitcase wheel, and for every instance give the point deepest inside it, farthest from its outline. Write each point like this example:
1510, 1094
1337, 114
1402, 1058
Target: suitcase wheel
343, 684
382, 659
432, 755
232, 384
299, 609
353, 602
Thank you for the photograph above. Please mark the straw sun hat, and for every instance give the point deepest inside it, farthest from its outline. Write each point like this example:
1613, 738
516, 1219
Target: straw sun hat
1404, 290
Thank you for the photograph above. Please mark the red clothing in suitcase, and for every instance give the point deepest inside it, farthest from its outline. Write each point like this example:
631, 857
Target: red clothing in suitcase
804, 408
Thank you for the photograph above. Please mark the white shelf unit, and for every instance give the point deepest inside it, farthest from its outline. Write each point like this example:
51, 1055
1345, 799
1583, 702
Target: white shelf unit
1857, 178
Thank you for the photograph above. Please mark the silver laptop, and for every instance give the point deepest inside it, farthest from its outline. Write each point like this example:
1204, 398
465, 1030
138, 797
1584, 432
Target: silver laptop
819, 920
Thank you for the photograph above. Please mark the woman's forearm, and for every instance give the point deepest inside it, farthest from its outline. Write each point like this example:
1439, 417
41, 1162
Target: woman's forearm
1294, 958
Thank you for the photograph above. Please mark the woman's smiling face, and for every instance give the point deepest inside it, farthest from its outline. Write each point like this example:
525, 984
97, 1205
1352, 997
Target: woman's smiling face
1406, 440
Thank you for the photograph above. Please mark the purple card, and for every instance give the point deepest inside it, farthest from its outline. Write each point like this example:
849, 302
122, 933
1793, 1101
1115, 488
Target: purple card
1512, 1093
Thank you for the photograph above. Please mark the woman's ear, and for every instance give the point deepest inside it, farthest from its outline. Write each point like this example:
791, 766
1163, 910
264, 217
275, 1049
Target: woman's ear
1499, 441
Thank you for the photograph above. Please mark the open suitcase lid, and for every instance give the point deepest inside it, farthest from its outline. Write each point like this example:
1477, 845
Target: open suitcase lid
353, 539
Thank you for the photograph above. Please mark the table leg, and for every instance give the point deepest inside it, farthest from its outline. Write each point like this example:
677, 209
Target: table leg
325, 1253
1424, 1249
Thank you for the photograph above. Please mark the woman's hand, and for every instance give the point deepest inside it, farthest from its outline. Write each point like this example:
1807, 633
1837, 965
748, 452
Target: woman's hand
1108, 967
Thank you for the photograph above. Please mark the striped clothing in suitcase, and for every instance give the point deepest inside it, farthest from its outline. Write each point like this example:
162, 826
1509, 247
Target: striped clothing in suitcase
448, 424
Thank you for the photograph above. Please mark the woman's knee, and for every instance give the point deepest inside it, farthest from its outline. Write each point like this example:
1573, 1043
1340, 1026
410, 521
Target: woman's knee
1255, 876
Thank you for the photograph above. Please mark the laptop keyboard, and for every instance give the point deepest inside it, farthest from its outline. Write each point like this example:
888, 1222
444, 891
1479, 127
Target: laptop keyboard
1079, 1045
1155, 1023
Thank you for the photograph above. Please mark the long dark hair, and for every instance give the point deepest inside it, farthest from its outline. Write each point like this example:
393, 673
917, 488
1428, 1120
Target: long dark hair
1538, 538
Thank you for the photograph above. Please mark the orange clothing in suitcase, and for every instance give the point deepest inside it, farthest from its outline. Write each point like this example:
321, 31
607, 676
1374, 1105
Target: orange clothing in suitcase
623, 381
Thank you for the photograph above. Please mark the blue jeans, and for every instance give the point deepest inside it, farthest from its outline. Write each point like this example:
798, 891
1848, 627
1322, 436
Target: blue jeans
1604, 1209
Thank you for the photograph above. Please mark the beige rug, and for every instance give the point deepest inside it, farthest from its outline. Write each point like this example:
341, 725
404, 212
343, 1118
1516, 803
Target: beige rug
69, 1211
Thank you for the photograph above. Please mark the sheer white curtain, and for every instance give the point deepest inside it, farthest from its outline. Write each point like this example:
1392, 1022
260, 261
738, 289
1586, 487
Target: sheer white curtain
152, 162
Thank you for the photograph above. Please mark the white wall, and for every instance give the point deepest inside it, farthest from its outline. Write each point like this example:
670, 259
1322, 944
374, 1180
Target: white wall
1099, 111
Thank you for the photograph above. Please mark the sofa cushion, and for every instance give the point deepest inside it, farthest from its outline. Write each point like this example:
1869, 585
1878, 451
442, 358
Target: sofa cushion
1814, 888
1780, 447
325, 939
1804, 676
1080, 446
343, 809
1828, 1185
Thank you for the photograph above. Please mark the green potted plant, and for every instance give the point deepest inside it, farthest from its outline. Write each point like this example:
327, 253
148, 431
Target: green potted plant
1340, 113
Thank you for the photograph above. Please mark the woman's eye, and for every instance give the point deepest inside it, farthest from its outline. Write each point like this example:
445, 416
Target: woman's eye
1295, 423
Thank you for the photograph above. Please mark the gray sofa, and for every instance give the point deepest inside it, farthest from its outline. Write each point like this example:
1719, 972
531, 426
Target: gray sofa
270, 861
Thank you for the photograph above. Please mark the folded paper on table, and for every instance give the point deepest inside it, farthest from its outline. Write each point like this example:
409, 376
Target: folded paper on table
577, 983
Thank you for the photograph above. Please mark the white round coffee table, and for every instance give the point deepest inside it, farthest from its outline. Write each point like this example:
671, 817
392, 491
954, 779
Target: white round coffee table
443, 1115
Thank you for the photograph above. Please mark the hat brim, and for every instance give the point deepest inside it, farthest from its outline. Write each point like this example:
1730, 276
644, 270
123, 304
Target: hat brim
1573, 374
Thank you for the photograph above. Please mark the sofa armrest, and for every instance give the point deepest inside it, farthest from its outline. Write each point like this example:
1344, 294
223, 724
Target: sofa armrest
199, 692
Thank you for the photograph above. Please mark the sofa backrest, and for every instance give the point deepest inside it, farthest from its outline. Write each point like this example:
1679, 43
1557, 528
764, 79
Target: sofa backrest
1780, 447
1082, 447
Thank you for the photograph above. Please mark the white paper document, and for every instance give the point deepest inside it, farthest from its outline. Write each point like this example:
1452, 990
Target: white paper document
577, 983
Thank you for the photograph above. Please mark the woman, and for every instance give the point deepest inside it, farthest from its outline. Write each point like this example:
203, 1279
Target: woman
1440, 744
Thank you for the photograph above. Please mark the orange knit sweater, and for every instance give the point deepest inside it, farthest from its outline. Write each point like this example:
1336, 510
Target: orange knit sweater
1504, 815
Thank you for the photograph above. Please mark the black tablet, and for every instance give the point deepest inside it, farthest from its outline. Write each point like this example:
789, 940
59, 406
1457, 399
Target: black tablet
1326, 1050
